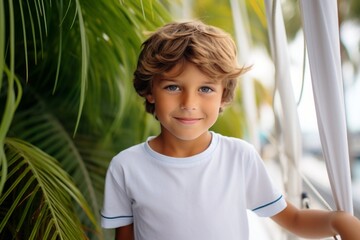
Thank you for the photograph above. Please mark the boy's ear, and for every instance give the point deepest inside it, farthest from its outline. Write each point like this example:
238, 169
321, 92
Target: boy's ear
150, 98
223, 103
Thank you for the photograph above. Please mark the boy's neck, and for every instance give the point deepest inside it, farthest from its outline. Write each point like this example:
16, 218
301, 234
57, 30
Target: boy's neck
175, 147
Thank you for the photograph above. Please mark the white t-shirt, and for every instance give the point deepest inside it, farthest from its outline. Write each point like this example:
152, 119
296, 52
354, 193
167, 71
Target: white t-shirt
204, 196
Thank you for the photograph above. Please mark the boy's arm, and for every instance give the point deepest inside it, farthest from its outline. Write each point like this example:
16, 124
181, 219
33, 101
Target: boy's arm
318, 223
125, 232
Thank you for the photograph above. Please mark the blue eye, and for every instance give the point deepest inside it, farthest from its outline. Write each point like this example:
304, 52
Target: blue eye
172, 88
205, 89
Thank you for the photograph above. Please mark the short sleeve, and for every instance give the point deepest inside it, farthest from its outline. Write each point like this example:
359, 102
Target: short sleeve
117, 209
263, 196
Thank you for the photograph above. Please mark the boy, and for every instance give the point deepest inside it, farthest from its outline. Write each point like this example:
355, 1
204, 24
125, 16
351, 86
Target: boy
188, 182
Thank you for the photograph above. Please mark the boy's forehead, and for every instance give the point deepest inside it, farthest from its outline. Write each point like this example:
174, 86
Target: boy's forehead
179, 68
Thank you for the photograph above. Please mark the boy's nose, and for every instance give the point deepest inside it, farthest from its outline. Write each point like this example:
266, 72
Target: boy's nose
188, 102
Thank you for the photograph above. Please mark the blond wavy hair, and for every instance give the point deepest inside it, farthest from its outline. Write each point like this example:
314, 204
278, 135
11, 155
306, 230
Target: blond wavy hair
211, 49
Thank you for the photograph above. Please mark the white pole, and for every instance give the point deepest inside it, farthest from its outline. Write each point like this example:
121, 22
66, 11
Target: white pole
321, 29
290, 126
243, 45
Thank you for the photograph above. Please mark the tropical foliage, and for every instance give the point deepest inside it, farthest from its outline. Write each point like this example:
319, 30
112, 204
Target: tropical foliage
67, 104
66, 107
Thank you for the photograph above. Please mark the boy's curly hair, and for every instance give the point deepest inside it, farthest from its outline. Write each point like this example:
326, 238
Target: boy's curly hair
211, 49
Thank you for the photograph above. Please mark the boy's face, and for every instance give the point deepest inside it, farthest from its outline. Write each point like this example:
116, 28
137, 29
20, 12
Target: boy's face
186, 105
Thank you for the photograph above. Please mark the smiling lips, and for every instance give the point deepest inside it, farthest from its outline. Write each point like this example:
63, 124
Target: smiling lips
188, 121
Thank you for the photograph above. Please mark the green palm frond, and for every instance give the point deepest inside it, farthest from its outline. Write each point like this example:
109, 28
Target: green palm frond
2, 41
13, 95
45, 194
36, 125
70, 63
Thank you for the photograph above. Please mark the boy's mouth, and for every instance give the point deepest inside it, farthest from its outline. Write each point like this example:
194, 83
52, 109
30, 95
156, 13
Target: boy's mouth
187, 120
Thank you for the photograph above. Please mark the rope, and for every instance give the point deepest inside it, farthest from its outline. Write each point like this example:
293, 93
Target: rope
305, 199
314, 191
303, 74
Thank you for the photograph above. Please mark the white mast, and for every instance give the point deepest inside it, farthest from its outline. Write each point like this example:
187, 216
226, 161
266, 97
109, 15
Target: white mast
243, 44
321, 29
290, 126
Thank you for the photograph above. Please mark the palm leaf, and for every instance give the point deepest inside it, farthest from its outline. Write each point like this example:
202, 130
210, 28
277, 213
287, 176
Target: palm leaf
13, 96
74, 60
45, 194
37, 126
2, 41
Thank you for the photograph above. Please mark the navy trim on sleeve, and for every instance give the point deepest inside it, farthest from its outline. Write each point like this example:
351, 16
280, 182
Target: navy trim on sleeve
265, 205
115, 216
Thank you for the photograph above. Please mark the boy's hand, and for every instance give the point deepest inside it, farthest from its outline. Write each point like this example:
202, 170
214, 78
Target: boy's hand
318, 223
347, 226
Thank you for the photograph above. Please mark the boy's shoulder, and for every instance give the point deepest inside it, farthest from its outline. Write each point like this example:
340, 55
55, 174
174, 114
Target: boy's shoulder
234, 142
132, 152
237, 150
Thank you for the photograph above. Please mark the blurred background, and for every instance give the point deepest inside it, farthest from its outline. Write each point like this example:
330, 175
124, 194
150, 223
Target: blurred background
67, 105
